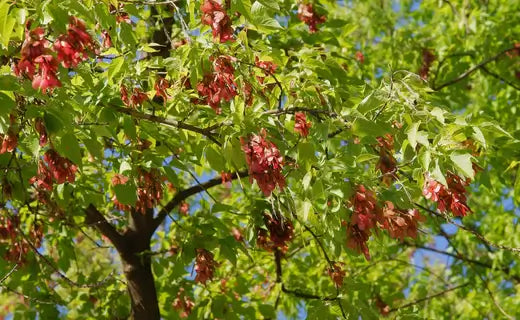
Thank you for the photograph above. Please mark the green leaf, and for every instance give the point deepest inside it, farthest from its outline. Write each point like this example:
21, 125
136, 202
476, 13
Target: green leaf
69, 147
7, 24
215, 159
267, 24
463, 163
366, 157
9, 83
517, 188
306, 209
364, 128
422, 138
271, 4
6, 104
425, 158
115, 68
412, 134
371, 102
306, 181
124, 167
438, 175
94, 148
479, 136
126, 193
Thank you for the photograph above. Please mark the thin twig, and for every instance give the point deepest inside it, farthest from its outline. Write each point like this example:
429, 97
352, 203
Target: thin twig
169, 122
429, 297
468, 72
475, 233
499, 77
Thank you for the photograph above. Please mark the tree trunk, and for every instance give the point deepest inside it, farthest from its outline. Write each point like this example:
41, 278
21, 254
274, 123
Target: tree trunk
140, 281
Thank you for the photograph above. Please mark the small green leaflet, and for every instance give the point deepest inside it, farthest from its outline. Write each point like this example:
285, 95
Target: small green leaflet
463, 163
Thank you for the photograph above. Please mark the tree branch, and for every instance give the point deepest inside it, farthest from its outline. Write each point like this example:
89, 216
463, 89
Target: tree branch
299, 294
96, 218
475, 233
329, 113
184, 194
468, 72
429, 297
169, 122
499, 77
460, 257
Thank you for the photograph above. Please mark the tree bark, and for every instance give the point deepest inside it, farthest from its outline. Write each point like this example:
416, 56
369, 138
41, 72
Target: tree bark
140, 280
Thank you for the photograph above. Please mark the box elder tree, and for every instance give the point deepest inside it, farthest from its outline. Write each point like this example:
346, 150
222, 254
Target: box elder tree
241, 159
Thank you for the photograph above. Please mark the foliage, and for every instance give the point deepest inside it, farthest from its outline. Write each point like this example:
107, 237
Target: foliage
253, 159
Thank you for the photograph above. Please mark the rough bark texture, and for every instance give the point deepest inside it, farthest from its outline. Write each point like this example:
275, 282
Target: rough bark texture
140, 280
133, 246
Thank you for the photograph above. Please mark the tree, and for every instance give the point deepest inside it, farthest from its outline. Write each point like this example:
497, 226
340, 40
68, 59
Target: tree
253, 159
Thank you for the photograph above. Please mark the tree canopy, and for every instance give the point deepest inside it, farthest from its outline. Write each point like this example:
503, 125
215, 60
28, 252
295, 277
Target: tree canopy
242, 159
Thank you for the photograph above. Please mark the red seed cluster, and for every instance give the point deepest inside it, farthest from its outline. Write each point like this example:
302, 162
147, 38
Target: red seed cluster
106, 39
281, 231
183, 304
387, 163
39, 64
237, 234
204, 266
264, 161
184, 208
160, 86
452, 198
226, 177
218, 85
150, 189
42, 131
54, 168
337, 274
400, 223
268, 67
360, 57
301, 125
62, 169
247, 89
427, 59
17, 246
9, 141
307, 15
367, 215
137, 98
36, 61
72, 48
214, 15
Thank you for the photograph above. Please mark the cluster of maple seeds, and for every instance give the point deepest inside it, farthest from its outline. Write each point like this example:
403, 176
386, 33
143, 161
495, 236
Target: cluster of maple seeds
9, 141
204, 266
149, 190
214, 15
308, 16
183, 303
453, 198
264, 161
39, 64
301, 125
386, 163
218, 85
367, 215
18, 247
337, 274
427, 59
54, 168
281, 231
